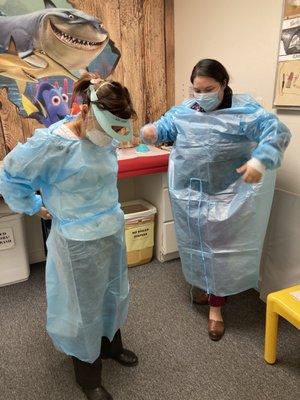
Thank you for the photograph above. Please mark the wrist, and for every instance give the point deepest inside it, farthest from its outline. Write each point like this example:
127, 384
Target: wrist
38, 203
257, 164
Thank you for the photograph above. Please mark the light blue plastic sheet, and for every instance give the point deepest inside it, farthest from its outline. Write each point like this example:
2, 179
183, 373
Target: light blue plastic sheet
87, 292
77, 179
221, 221
86, 279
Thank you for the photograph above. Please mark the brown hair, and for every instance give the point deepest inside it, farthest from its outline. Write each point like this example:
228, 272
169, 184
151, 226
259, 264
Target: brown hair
112, 97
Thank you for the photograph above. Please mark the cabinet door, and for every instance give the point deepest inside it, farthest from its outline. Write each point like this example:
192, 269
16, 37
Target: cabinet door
165, 183
167, 210
169, 243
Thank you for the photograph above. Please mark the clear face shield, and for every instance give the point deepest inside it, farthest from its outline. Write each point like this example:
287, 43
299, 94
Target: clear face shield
103, 126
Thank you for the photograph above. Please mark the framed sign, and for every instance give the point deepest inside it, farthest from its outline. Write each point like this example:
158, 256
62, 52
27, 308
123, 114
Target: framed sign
287, 89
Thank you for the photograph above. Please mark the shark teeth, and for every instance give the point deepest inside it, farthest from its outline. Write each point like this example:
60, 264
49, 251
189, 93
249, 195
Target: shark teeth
76, 42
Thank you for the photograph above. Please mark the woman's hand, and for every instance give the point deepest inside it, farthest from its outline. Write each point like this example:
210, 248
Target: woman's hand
44, 213
250, 174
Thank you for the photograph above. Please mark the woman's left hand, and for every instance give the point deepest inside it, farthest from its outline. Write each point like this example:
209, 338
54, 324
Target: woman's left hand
44, 213
250, 174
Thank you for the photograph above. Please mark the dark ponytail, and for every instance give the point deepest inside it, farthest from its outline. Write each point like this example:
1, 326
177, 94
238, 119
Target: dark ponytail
214, 69
227, 99
81, 88
112, 96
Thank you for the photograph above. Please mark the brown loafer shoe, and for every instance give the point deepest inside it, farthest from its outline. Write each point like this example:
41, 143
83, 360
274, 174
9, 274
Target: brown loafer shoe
216, 329
199, 297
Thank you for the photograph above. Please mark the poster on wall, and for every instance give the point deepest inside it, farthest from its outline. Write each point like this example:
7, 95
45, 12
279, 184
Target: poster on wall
44, 47
287, 90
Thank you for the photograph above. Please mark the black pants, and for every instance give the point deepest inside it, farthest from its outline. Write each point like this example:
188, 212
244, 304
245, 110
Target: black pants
46, 227
89, 375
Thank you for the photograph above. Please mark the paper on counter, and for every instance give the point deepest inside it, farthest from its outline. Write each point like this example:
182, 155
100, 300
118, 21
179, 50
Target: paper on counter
125, 154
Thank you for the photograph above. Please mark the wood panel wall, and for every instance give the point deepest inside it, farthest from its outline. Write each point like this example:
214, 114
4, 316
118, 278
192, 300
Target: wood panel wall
143, 30
13, 127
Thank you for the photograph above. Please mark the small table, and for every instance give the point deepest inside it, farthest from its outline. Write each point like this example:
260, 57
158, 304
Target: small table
286, 304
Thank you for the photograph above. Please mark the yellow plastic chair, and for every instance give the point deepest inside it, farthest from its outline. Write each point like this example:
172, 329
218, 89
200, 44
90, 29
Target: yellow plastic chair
285, 303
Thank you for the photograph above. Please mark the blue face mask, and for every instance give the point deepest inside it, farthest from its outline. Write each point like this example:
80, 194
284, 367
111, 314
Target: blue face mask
208, 101
107, 121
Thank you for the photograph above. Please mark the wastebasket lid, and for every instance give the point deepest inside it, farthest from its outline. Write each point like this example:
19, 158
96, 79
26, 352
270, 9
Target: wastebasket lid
137, 209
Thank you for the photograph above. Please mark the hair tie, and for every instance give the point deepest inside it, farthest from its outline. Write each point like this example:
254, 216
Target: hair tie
102, 83
96, 81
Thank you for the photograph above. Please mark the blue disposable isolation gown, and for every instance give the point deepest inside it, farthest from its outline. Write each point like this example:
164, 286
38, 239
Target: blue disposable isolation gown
86, 271
221, 221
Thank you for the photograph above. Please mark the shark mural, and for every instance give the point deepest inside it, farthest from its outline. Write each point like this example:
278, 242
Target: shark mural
53, 42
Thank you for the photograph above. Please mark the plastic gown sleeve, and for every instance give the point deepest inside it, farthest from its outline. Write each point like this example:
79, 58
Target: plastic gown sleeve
24, 168
272, 136
165, 128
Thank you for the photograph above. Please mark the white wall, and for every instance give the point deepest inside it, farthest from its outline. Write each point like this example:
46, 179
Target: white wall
244, 36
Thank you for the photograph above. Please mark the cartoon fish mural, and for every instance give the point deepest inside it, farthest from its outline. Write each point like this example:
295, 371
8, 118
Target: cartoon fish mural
52, 104
52, 42
17, 68
70, 37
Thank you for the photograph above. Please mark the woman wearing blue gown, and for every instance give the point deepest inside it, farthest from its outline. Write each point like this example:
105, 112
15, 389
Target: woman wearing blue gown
221, 184
73, 164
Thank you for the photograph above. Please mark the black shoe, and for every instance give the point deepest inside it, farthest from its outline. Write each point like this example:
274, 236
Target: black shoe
125, 357
97, 394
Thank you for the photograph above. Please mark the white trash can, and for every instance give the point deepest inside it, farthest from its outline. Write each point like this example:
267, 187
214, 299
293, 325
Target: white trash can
14, 263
